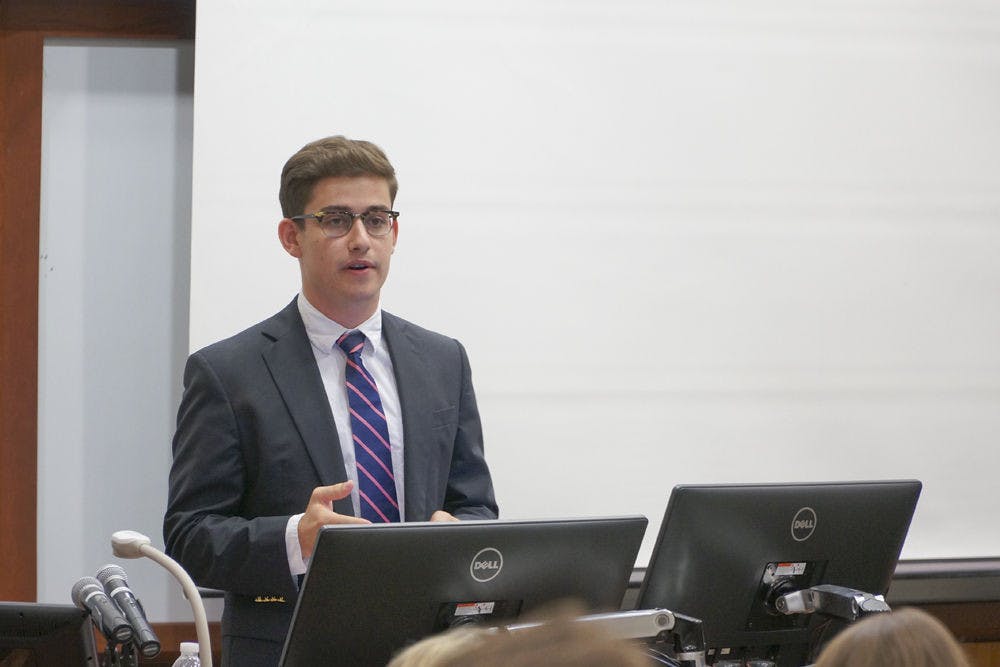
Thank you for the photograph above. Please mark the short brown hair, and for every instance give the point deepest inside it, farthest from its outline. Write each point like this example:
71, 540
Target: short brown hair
330, 156
909, 636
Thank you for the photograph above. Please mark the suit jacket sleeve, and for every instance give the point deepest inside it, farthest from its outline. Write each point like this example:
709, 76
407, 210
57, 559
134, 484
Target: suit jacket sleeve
470, 486
209, 526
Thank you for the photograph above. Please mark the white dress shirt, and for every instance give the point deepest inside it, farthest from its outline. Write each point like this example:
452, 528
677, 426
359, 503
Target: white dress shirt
331, 360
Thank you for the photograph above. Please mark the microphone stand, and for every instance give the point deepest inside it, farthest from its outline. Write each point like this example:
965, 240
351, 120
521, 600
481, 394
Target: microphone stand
130, 544
120, 655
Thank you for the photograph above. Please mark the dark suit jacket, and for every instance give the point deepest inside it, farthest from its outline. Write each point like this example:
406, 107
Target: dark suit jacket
255, 435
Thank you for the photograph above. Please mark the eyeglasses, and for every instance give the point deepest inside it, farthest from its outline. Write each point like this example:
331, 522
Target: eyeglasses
339, 222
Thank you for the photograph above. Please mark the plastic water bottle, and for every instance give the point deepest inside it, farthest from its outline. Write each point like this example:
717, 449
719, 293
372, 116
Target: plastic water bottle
189, 655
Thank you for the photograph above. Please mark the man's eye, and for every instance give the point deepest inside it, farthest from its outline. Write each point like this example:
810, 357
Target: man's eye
336, 219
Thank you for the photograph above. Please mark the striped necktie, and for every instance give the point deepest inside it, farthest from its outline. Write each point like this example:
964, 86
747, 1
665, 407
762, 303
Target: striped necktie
376, 483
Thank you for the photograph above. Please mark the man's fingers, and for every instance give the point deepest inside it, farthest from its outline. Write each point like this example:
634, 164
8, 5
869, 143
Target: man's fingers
320, 511
327, 494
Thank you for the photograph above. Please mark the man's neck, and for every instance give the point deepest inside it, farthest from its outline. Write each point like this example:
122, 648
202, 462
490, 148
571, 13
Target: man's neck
348, 316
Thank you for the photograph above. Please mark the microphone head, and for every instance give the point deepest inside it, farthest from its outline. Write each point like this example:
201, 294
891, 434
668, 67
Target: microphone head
112, 572
84, 587
150, 649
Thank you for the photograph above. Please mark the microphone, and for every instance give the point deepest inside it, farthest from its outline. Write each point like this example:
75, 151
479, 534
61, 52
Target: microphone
116, 585
90, 596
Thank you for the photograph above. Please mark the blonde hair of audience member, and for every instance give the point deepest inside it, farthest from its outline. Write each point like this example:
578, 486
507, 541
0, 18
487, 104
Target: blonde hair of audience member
559, 642
909, 637
439, 649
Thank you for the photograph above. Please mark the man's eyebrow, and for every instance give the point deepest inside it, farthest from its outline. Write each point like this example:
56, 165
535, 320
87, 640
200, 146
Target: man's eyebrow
340, 207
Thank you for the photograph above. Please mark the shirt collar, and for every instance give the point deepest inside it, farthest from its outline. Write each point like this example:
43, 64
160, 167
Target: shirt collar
324, 332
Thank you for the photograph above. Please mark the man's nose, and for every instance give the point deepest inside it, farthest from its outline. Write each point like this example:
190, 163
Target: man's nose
358, 234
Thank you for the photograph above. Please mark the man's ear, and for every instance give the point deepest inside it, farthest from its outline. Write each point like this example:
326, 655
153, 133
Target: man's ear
288, 234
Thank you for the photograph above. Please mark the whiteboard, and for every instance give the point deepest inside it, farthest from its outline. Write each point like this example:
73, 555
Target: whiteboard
683, 242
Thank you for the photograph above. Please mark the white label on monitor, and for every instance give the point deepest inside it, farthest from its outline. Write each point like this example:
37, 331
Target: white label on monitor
789, 569
474, 608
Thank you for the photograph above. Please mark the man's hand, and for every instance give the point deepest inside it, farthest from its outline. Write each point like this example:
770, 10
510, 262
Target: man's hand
320, 513
441, 515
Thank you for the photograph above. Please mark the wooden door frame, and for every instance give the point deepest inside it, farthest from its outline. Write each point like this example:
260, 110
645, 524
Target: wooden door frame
24, 27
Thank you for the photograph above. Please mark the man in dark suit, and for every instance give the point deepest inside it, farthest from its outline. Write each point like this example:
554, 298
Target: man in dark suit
271, 444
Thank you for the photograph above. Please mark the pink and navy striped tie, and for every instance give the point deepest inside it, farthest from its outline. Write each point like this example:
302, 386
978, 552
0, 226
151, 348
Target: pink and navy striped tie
370, 431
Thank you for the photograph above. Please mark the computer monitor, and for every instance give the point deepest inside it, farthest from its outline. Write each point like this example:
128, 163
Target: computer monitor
724, 552
38, 635
371, 590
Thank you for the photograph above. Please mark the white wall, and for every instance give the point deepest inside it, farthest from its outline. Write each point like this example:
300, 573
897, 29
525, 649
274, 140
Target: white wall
113, 305
682, 241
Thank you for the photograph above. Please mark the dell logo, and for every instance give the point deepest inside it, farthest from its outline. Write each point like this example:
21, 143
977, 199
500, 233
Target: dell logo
486, 564
803, 524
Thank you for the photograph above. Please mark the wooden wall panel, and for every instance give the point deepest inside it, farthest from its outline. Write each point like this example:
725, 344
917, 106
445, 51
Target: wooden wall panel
24, 26
166, 19
984, 654
20, 173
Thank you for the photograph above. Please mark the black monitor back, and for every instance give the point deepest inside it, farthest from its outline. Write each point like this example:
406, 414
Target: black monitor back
721, 546
38, 635
372, 590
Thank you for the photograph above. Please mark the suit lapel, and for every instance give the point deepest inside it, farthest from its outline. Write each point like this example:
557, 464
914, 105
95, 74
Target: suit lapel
292, 365
409, 366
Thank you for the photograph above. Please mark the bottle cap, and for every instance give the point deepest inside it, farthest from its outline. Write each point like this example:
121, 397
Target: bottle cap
189, 648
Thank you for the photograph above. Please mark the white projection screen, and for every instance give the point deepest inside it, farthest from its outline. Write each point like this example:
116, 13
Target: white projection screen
683, 242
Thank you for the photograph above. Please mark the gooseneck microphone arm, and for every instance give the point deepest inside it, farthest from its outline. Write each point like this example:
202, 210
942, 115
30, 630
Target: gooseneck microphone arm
130, 544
